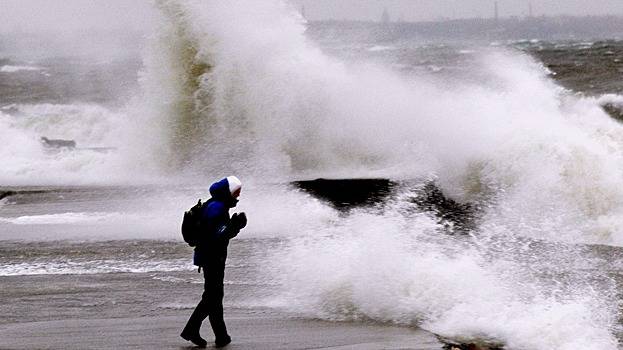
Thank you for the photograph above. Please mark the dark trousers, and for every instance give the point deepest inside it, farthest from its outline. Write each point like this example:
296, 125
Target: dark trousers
211, 304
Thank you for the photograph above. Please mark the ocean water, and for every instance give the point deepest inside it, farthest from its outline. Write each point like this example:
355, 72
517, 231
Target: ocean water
524, 133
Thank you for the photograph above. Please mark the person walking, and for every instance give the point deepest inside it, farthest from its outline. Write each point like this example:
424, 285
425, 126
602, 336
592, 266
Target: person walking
217, 228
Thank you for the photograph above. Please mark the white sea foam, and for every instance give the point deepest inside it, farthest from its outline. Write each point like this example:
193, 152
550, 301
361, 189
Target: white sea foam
173, 279
392, 269
176, 306
12, 69
279, 211
613, 99
80, 267
381, 48
62, 218
27, 161
435, 69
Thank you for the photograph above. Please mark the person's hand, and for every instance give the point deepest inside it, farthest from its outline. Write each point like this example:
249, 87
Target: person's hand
239, 220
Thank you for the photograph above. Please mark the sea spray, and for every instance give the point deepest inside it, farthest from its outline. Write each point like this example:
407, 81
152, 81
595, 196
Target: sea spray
261, 99
110, 146
279, 106
407, 271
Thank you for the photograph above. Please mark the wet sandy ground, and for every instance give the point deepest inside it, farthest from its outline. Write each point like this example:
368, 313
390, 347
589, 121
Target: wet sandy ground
148, 310
141, 311
248, 332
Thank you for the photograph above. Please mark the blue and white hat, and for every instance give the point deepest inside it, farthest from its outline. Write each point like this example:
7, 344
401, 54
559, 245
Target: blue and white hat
235, 185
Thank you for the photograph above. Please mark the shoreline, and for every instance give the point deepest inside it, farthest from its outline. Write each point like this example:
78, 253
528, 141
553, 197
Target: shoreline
248, 331
148, 311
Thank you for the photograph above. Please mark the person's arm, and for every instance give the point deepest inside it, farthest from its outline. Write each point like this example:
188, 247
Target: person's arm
224, 227
237, 222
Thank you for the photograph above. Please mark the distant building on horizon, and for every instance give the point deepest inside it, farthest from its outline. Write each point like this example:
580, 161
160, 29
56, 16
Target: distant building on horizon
496, 11
385, 16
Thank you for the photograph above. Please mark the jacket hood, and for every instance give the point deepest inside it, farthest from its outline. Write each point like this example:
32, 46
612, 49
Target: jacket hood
224, 188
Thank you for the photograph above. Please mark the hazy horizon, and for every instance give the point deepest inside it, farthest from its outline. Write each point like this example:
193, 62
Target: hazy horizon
431, 10
137, 15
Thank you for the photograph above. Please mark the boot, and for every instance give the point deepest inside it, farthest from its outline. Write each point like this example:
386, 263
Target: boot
222, 341
194, 337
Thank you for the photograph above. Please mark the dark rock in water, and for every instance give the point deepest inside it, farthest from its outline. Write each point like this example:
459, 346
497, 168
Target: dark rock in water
19, 194
348, 193
4, 194
470, 347
482, 344
58, 143
457, 217
71, 144
614, 111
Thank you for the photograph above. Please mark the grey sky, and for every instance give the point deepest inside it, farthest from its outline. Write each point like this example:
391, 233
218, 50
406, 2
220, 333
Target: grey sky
75, 15
418, 10
72, 15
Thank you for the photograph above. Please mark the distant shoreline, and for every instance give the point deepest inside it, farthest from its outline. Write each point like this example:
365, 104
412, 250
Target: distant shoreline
504, 28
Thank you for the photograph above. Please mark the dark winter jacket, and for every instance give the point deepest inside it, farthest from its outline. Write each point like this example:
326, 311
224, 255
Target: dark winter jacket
216, 227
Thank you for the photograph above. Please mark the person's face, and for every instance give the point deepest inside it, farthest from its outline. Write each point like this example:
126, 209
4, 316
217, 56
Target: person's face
236, 193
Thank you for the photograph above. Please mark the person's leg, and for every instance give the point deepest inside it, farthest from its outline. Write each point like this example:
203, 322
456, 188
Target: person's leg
199, 314
215, 312
191, 331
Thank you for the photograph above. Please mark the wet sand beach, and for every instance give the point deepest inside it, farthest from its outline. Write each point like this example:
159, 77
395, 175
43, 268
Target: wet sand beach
141, 311
248, 332
147, 310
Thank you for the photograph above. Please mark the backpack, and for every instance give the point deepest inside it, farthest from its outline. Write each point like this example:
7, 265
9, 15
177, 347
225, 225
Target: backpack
191, 224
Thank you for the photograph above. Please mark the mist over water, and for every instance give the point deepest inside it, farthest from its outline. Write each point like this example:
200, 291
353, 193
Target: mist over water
239, 87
